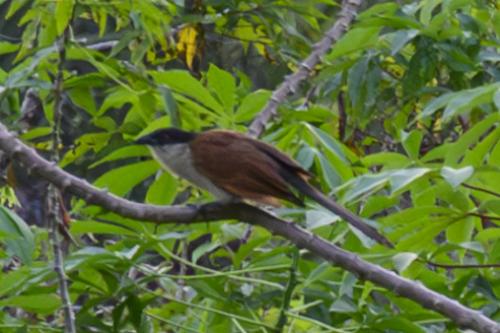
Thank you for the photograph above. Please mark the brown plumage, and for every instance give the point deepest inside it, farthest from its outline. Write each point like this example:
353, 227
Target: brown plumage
245, 167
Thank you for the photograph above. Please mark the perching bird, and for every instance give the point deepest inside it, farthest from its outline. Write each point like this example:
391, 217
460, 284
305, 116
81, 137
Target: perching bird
233, 167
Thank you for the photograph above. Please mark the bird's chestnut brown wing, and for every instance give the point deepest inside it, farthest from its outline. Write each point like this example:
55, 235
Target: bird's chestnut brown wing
235, 163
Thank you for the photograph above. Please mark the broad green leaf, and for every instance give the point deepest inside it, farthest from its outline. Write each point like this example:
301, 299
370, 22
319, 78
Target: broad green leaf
121, 180
14, 7
19, 239
11, 281
158, 123
251, 105
389, 159
83, 97
36, 132
327, 141
400, 178
330, 175
316, 218
203, 249
223, 84
492, 206
488, 235
343, 305
403, 260
466, 100
399, 323
461, 101
401, 38
356, 39
163, 190
85, 143
39, 303
122, 153
364, 185
411, 143
460, 231
170, 106
63, 13
455, 177
7, 47
183, 83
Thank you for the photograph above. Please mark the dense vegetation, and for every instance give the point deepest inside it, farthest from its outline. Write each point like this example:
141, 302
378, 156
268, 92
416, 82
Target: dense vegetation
399, 122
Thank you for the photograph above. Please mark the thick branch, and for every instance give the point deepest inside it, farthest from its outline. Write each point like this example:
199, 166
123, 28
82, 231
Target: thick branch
292, 82
463, 316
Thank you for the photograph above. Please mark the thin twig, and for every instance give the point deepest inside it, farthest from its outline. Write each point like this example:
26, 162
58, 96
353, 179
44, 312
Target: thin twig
53, 204
292, 82
460, 266
480, 189
483, 216
459, 314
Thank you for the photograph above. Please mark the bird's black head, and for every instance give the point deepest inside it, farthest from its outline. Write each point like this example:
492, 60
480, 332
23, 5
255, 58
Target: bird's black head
166, 136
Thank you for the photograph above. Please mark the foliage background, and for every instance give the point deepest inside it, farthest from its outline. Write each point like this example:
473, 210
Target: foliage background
400, 123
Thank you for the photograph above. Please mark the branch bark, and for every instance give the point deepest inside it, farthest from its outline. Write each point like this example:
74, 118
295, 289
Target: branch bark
461, 315
292, 82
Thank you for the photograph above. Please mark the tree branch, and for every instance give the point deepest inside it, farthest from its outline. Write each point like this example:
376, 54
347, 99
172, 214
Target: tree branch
53, 205
461, 315
291, 84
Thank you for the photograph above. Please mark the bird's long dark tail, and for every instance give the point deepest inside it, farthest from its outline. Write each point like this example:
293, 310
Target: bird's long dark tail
305, 188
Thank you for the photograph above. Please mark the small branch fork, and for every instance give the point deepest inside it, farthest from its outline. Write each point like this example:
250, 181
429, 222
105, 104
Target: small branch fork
292, 82
461, 315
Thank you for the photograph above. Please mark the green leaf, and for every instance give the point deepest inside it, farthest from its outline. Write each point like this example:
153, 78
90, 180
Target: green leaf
83, 97
492, 206
182, 82
328, 142
14, 7
459, 102
163, 190
316, 218
6, 47
466, 100
223, 84
403, 260
363, 185
40, 303
170, 106
460, 231
121, 180
19, 238
356, 39
400, 178
411, 143
251, 105
388, 159
455, 177
398, 324
122, 153
343, 305
63, 13
401, 38
488, 235
203, 249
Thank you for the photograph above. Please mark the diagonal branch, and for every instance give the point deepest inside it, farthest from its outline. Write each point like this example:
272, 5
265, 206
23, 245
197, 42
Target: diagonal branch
461, 315
292, 82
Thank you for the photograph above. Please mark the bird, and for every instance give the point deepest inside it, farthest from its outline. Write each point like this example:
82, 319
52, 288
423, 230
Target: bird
233, 167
